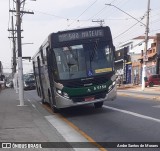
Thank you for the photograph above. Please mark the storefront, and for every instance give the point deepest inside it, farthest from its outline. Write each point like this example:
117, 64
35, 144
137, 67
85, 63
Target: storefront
123, 67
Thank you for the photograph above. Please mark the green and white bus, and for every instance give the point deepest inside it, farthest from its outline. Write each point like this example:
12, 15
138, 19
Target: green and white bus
76, 67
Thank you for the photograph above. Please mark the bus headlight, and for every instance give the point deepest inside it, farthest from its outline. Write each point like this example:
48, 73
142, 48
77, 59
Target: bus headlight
114, 82
59, 91
64, 94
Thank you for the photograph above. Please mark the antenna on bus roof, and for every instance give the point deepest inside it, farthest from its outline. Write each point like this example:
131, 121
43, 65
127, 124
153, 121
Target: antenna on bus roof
99, 21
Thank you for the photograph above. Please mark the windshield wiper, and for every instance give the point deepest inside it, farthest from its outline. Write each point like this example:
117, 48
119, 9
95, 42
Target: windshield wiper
93, 52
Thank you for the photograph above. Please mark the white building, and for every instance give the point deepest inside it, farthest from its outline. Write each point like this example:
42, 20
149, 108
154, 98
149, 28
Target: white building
137, 44
135, 50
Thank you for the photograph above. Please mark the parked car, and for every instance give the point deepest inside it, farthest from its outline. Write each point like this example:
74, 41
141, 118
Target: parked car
29, 82
28, 75
152, 80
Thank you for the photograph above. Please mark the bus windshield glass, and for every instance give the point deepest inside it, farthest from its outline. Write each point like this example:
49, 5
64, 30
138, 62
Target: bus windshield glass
80, 61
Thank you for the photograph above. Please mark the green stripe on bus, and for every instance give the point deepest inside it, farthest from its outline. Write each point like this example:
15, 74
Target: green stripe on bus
87, 90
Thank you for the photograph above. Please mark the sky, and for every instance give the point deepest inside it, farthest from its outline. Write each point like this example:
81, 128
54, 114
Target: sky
56, 15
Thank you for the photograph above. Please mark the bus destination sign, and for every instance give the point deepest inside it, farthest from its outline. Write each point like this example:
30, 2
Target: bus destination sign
77, 35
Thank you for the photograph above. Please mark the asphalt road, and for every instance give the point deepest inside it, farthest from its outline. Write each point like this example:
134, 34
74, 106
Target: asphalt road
127, 119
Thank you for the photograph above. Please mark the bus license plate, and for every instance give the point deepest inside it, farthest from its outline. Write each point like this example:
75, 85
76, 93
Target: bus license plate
89, 99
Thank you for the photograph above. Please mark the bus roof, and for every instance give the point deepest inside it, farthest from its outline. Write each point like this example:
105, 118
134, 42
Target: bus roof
81, 35
76, 36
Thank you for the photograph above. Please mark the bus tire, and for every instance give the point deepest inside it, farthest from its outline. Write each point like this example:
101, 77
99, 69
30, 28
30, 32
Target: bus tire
151, 84
43, 101
39, 92
54, 109
98, 105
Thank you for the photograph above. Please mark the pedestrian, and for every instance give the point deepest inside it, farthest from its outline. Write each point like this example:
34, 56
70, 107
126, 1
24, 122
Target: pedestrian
134, 79
119, 80
2, 81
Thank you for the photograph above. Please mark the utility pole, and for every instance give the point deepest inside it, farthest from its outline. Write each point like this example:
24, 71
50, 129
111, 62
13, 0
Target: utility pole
14, 62
145, 57
19, 45
20, 65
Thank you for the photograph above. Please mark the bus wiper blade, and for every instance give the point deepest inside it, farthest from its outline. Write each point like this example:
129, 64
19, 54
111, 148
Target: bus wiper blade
92, 55
94, 51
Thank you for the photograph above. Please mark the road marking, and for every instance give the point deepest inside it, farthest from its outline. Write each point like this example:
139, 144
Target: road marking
156, 106
132, 113
70, 134
88, 138
33, 105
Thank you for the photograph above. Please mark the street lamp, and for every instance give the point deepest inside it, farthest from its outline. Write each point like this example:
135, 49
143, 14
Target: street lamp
146, 39
126, 13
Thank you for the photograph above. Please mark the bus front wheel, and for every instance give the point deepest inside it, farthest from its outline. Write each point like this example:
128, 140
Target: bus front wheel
98, 105
54, 109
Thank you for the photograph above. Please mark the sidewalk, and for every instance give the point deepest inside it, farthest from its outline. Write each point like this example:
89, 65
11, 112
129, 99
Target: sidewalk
138, 87
136, 91
24, 123
33, 124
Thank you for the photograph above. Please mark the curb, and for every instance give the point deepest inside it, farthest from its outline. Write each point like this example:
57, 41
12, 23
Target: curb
154, 98
126, 86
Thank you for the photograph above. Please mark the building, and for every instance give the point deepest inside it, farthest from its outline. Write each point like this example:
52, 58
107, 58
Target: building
123, 65
129, 58
152, 57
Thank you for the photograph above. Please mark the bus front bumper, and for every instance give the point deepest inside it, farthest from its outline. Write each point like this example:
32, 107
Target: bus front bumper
62, 102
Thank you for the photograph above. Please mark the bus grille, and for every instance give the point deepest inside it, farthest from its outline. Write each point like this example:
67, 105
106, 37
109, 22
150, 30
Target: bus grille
101, 95
80, 83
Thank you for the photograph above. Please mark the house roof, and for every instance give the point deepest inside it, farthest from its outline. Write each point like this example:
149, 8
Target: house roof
143, 37
149, 56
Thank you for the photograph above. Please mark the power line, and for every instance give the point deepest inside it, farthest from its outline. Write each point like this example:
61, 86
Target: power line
83, 12
125, 31
126, 13
99, 12
45, 13
80, 20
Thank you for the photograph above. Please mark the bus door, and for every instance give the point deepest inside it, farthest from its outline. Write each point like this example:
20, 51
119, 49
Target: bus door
40, 90
50, 75
44, 75
35, 76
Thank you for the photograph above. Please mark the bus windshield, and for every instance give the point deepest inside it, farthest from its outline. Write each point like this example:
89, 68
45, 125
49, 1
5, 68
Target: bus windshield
86, 60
